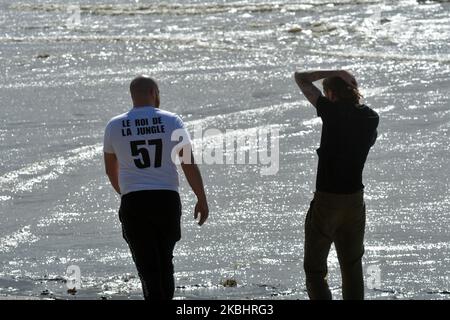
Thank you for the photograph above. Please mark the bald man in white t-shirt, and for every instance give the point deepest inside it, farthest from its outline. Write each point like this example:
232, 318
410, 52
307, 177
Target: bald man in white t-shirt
141, 147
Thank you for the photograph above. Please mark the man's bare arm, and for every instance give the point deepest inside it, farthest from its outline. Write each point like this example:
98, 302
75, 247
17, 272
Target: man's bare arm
194, 178
112, 170
305, 82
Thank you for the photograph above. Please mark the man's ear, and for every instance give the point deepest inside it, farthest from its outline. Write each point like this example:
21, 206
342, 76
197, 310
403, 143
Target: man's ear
155, 97
157, 101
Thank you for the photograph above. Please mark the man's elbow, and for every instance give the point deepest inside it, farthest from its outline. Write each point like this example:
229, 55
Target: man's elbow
301, 77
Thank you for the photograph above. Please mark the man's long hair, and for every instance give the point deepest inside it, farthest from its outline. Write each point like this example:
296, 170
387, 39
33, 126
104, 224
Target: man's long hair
343, 91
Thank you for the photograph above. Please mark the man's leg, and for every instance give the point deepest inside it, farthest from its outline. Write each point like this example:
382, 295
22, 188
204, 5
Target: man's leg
166, 248
349, 245
147, 258
317, 247
141, 235
151, 236
170, 234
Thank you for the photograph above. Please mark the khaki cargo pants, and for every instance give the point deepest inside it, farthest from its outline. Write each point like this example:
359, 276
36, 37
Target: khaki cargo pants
338, 219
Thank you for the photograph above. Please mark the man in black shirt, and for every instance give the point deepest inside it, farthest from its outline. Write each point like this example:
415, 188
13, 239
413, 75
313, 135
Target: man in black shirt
337, 212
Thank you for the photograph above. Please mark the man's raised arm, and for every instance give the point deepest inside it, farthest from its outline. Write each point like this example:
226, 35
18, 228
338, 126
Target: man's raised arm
305, 81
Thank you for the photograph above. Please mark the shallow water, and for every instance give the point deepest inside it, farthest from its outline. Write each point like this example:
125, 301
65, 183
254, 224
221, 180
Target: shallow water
225, 65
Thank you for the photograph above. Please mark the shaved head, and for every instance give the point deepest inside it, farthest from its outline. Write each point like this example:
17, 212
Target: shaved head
144, 91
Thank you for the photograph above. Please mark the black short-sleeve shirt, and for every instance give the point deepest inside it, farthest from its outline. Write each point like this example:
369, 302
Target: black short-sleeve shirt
348, 133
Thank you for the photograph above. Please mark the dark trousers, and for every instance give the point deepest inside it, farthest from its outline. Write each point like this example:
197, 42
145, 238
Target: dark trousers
338, 219
151, 227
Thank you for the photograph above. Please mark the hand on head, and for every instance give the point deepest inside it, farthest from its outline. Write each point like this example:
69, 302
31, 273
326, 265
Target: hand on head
348, 78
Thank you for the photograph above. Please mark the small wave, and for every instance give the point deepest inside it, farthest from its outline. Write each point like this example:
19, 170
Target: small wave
21, 236
174, 39
106, 38
439, 292
166, 8
187, 9
5, 198
410, 247
387, 56
252, 115
62, 218
25, 179
385, 109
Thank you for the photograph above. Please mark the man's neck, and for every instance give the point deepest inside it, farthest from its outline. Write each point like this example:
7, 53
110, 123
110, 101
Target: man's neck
144, 105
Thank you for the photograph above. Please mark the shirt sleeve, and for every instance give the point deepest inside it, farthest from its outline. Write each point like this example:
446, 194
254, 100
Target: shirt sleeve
184, 138
107, 143
376, 121
325, 108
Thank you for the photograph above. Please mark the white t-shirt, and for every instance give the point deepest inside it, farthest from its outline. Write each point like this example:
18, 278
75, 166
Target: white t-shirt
141, 139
